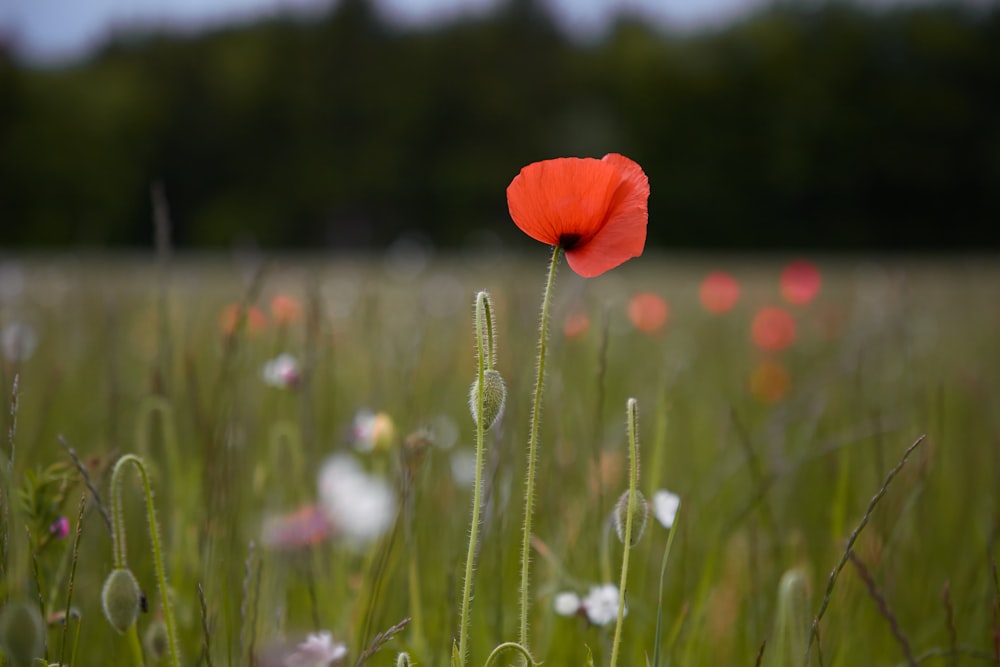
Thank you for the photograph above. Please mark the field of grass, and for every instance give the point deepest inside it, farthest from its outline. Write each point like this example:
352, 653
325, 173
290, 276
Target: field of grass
775, 454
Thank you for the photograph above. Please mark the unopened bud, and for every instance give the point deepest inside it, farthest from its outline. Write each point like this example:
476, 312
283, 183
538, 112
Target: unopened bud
120, 599
494, 398
155, 640
640, 511
793, 617
21, 633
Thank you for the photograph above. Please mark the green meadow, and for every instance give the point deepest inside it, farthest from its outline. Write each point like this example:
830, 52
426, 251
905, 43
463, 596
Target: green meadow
795, 499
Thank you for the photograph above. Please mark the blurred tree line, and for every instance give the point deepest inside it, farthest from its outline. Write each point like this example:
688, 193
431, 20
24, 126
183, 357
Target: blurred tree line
830, 126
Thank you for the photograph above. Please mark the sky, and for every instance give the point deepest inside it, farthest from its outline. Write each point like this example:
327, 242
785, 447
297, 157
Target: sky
53, 31
58, 30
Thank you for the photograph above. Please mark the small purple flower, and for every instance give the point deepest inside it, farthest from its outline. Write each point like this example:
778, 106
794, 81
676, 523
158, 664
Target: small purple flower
60, 527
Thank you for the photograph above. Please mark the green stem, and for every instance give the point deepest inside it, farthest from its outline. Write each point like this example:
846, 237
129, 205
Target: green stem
633, 483
135, 645
118, 516
482, 307
285, 452
147, 408
529, 482
510, 646
659, 606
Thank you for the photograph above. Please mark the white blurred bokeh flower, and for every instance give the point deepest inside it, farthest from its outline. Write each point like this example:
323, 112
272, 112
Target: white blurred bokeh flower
359, 506
665, 506
318, 650
566, 603
281, 372
601, 604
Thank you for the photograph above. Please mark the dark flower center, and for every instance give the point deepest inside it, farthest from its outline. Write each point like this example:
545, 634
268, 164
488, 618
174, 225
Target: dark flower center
569, 241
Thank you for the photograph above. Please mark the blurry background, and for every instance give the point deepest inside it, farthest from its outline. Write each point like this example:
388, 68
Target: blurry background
356, 123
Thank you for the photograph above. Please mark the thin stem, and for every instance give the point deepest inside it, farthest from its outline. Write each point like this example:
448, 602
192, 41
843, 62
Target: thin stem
135, 645
529, 482
814, 634
510, 646
158, 405
72, 577
477, 488
659, 606
633, 483
154, 537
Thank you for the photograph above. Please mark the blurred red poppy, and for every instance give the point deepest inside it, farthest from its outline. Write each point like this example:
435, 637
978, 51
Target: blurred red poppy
576, 324
773, 329
648, 312
285, 309
256, 321
719, 292
800, 282
596, 210
769, 381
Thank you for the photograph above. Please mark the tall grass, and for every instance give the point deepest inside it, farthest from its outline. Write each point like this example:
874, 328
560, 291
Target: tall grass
888, 351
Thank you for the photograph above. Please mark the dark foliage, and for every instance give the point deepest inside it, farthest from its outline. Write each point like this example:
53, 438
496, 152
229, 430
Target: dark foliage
831, 127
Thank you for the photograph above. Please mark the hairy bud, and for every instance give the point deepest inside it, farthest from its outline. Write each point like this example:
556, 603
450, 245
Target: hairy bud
494, 398
21, 633
120, 599
640, 511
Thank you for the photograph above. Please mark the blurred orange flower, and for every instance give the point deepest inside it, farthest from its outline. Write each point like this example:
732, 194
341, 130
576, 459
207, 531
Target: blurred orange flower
596, 210
719, 292
773, 329
769, 381
256, 321
302, 528
648, 312
576, 324
800, 282
285, 309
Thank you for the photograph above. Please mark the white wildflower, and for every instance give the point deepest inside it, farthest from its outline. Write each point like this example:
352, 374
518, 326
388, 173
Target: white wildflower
318, 650
282, 371
360, 506
566, 603
373, 431
665, 506
601, 604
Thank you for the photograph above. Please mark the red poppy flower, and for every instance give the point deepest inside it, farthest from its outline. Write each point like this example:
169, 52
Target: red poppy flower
285, 309
719, 292
596, 210
800, 282
648, 312
256, 321
773, 329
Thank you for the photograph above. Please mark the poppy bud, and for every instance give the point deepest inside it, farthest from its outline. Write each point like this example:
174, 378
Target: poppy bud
21, 633
494, 398
793, 616
639, 513
120, 599
155, 640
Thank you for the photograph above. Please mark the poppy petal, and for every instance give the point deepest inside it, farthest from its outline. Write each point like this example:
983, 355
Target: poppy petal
623, 235
564, 201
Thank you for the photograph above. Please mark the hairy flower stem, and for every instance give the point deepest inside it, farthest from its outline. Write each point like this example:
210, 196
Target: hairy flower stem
120, 560
529, 481
484, 355
633, 484
157, 405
